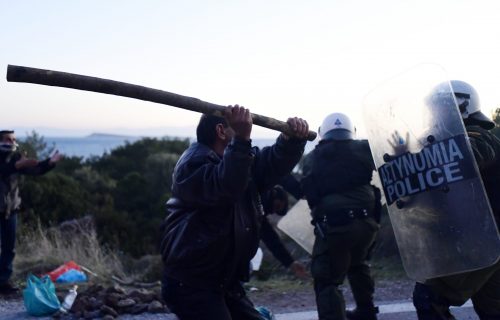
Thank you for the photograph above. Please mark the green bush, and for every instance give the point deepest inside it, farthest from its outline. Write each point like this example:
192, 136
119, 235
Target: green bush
124, 190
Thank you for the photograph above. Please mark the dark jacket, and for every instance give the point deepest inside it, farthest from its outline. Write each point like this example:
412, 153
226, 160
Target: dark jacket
268, 235
486, 148
211, 231
9, 180
340, 170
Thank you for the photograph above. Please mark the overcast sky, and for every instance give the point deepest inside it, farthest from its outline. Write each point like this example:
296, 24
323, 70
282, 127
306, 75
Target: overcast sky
278, 58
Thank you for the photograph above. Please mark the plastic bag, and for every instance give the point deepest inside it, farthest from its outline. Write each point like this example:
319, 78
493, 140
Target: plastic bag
40, 296
72, 276
265, 313
70, 265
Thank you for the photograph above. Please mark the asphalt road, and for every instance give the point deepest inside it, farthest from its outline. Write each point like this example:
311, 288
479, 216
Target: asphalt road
397, 310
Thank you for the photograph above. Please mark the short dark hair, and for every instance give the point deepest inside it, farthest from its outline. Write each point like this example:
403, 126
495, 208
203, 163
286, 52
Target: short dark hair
205, 131
4, 132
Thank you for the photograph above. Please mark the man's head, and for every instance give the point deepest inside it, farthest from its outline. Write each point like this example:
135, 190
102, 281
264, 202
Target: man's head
337, 126
8, 141
467, 100
213, 131
468, 103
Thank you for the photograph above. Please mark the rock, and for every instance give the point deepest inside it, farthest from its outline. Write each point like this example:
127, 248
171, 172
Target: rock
81, 304
94, 290
143, 295
156, 307
138, 308
116, 289
112, 299
125, 303
109, 311
92, 314
95, 304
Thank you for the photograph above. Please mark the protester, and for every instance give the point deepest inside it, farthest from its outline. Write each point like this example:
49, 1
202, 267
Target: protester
275, 201
211, 231
13, 164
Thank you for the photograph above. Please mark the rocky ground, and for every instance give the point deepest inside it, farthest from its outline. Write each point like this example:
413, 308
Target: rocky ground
293, 298
279, 295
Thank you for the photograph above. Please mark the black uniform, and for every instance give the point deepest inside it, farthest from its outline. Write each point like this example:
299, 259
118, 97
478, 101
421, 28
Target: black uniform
211, 231
337, 188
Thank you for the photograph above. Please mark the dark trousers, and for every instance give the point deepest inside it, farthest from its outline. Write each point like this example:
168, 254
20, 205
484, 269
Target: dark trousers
190, 303
342, 252
433, 298
7, 246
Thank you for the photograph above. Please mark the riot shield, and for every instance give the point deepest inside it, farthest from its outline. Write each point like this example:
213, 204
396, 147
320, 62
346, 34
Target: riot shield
437, 204
297, 225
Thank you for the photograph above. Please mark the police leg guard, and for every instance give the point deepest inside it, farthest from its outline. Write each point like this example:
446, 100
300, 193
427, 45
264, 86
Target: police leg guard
429, 305
362, 313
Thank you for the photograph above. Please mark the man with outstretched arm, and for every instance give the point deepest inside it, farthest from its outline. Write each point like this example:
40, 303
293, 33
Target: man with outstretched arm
12, 165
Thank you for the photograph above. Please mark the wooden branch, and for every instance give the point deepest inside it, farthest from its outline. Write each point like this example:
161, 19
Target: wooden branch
86, 83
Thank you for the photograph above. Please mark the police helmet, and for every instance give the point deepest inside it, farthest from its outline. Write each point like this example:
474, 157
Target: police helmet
468, 103
337, 126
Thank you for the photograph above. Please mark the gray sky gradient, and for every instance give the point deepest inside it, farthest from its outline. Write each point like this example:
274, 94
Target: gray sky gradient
279, 58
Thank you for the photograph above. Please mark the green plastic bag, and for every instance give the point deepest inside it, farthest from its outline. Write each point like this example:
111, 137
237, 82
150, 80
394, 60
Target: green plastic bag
40, 296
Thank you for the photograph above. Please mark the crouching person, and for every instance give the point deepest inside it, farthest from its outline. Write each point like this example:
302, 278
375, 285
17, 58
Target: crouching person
211, 231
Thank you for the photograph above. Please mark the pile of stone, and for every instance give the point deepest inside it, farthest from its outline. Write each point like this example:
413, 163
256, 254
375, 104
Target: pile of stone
97, 302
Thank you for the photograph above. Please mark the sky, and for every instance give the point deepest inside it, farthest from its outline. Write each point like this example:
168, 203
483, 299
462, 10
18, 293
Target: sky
278, 58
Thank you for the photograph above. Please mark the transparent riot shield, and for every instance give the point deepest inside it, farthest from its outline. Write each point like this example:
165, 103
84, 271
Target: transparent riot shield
297, 225
437, 204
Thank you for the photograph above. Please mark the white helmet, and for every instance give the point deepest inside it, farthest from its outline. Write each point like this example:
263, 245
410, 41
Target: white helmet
468, 103
337, 126
467, 100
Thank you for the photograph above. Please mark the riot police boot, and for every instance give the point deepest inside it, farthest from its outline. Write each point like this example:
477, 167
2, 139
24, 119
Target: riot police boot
362, 314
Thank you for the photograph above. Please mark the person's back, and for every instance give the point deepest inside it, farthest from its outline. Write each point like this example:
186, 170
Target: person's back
337, 187
341, 172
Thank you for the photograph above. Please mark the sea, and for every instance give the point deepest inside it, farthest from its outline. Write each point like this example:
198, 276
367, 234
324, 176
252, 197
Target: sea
98, 144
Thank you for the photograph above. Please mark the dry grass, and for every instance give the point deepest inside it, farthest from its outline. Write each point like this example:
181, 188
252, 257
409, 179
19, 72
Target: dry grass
40, 250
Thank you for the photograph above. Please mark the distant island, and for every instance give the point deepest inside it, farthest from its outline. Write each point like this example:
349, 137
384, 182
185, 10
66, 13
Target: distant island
110, 136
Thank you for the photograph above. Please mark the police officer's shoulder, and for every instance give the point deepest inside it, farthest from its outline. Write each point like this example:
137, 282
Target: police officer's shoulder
362, 143
478, 132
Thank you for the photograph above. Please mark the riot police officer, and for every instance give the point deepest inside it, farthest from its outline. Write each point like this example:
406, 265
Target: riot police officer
432, 298
337, 186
